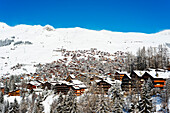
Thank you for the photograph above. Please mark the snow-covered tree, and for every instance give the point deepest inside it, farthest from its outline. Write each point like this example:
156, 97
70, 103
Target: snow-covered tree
117, 97
5, 107
14, 107
23, 108
6, 88
39, 104
57, 104
70, 102
1, 101
103, 106
145, 104
149, 84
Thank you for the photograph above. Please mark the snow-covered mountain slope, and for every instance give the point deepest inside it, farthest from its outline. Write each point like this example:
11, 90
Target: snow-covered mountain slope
35, 44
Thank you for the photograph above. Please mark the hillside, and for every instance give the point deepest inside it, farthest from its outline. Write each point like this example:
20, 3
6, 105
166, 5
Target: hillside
29, 45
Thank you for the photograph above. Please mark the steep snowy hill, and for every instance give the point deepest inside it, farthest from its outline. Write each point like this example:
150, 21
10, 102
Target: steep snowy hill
35, 44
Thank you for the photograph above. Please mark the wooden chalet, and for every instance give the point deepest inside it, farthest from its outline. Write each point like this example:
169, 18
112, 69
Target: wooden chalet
14, 93
76, 90
63, 88
31, 86
137, 78
70, 77
126, 83
95, 78
101, 84
119, 75
79, 89
46, 84
158, 81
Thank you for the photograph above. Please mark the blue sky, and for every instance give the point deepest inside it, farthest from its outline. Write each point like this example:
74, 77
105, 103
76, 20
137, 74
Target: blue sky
147, 16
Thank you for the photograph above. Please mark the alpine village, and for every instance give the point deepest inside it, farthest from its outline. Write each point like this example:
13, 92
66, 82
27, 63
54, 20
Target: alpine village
91, 81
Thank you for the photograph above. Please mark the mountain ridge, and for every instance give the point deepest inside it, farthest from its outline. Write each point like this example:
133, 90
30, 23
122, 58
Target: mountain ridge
27, 44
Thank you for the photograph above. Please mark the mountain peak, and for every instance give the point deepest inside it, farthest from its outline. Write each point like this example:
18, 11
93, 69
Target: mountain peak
164, 32
49, 28
3, 25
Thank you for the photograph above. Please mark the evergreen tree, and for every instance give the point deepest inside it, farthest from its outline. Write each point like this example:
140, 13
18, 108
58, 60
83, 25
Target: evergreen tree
23, 108
39, 104
145, 104
5, 107
1, 101
103, 106
134, 108
117, 98
14, 107
70, 102
6, 88
35, 109
56, 106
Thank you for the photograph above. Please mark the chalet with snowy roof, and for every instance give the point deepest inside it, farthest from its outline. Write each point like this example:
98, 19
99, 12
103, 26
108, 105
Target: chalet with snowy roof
14, 93
101, 84
70, 77
126, 83
63, 88
33, 85
119, 75
46, 84
135, 79
158, 78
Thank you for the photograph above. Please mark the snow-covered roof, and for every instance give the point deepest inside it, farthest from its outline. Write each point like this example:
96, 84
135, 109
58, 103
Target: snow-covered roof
35, 83
140, 73
155, 74
76, 82
65, 82
82, 86
163, 75
72, 76
76, 87
98, 81
38, 90
124, 72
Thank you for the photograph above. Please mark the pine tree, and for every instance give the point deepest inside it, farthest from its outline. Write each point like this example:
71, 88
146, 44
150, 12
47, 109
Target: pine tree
5, 107
70, 101
6, 88
39, 104
23, 108
149, 84
103, 106
35, 109
117, 98
134, 108
1, 101
14, 107
56, 106
145, 104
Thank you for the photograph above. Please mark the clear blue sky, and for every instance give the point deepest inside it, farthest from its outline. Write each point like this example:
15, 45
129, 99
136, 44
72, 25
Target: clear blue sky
147, 16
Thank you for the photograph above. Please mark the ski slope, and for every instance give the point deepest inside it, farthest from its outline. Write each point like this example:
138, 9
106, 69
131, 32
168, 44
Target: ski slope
29, 45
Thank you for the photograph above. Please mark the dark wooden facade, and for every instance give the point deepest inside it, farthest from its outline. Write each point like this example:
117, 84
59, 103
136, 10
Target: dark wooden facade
46, 84
14, 93
63, 88
103, 85
30, 86
135, 81
126, 83
118, 76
